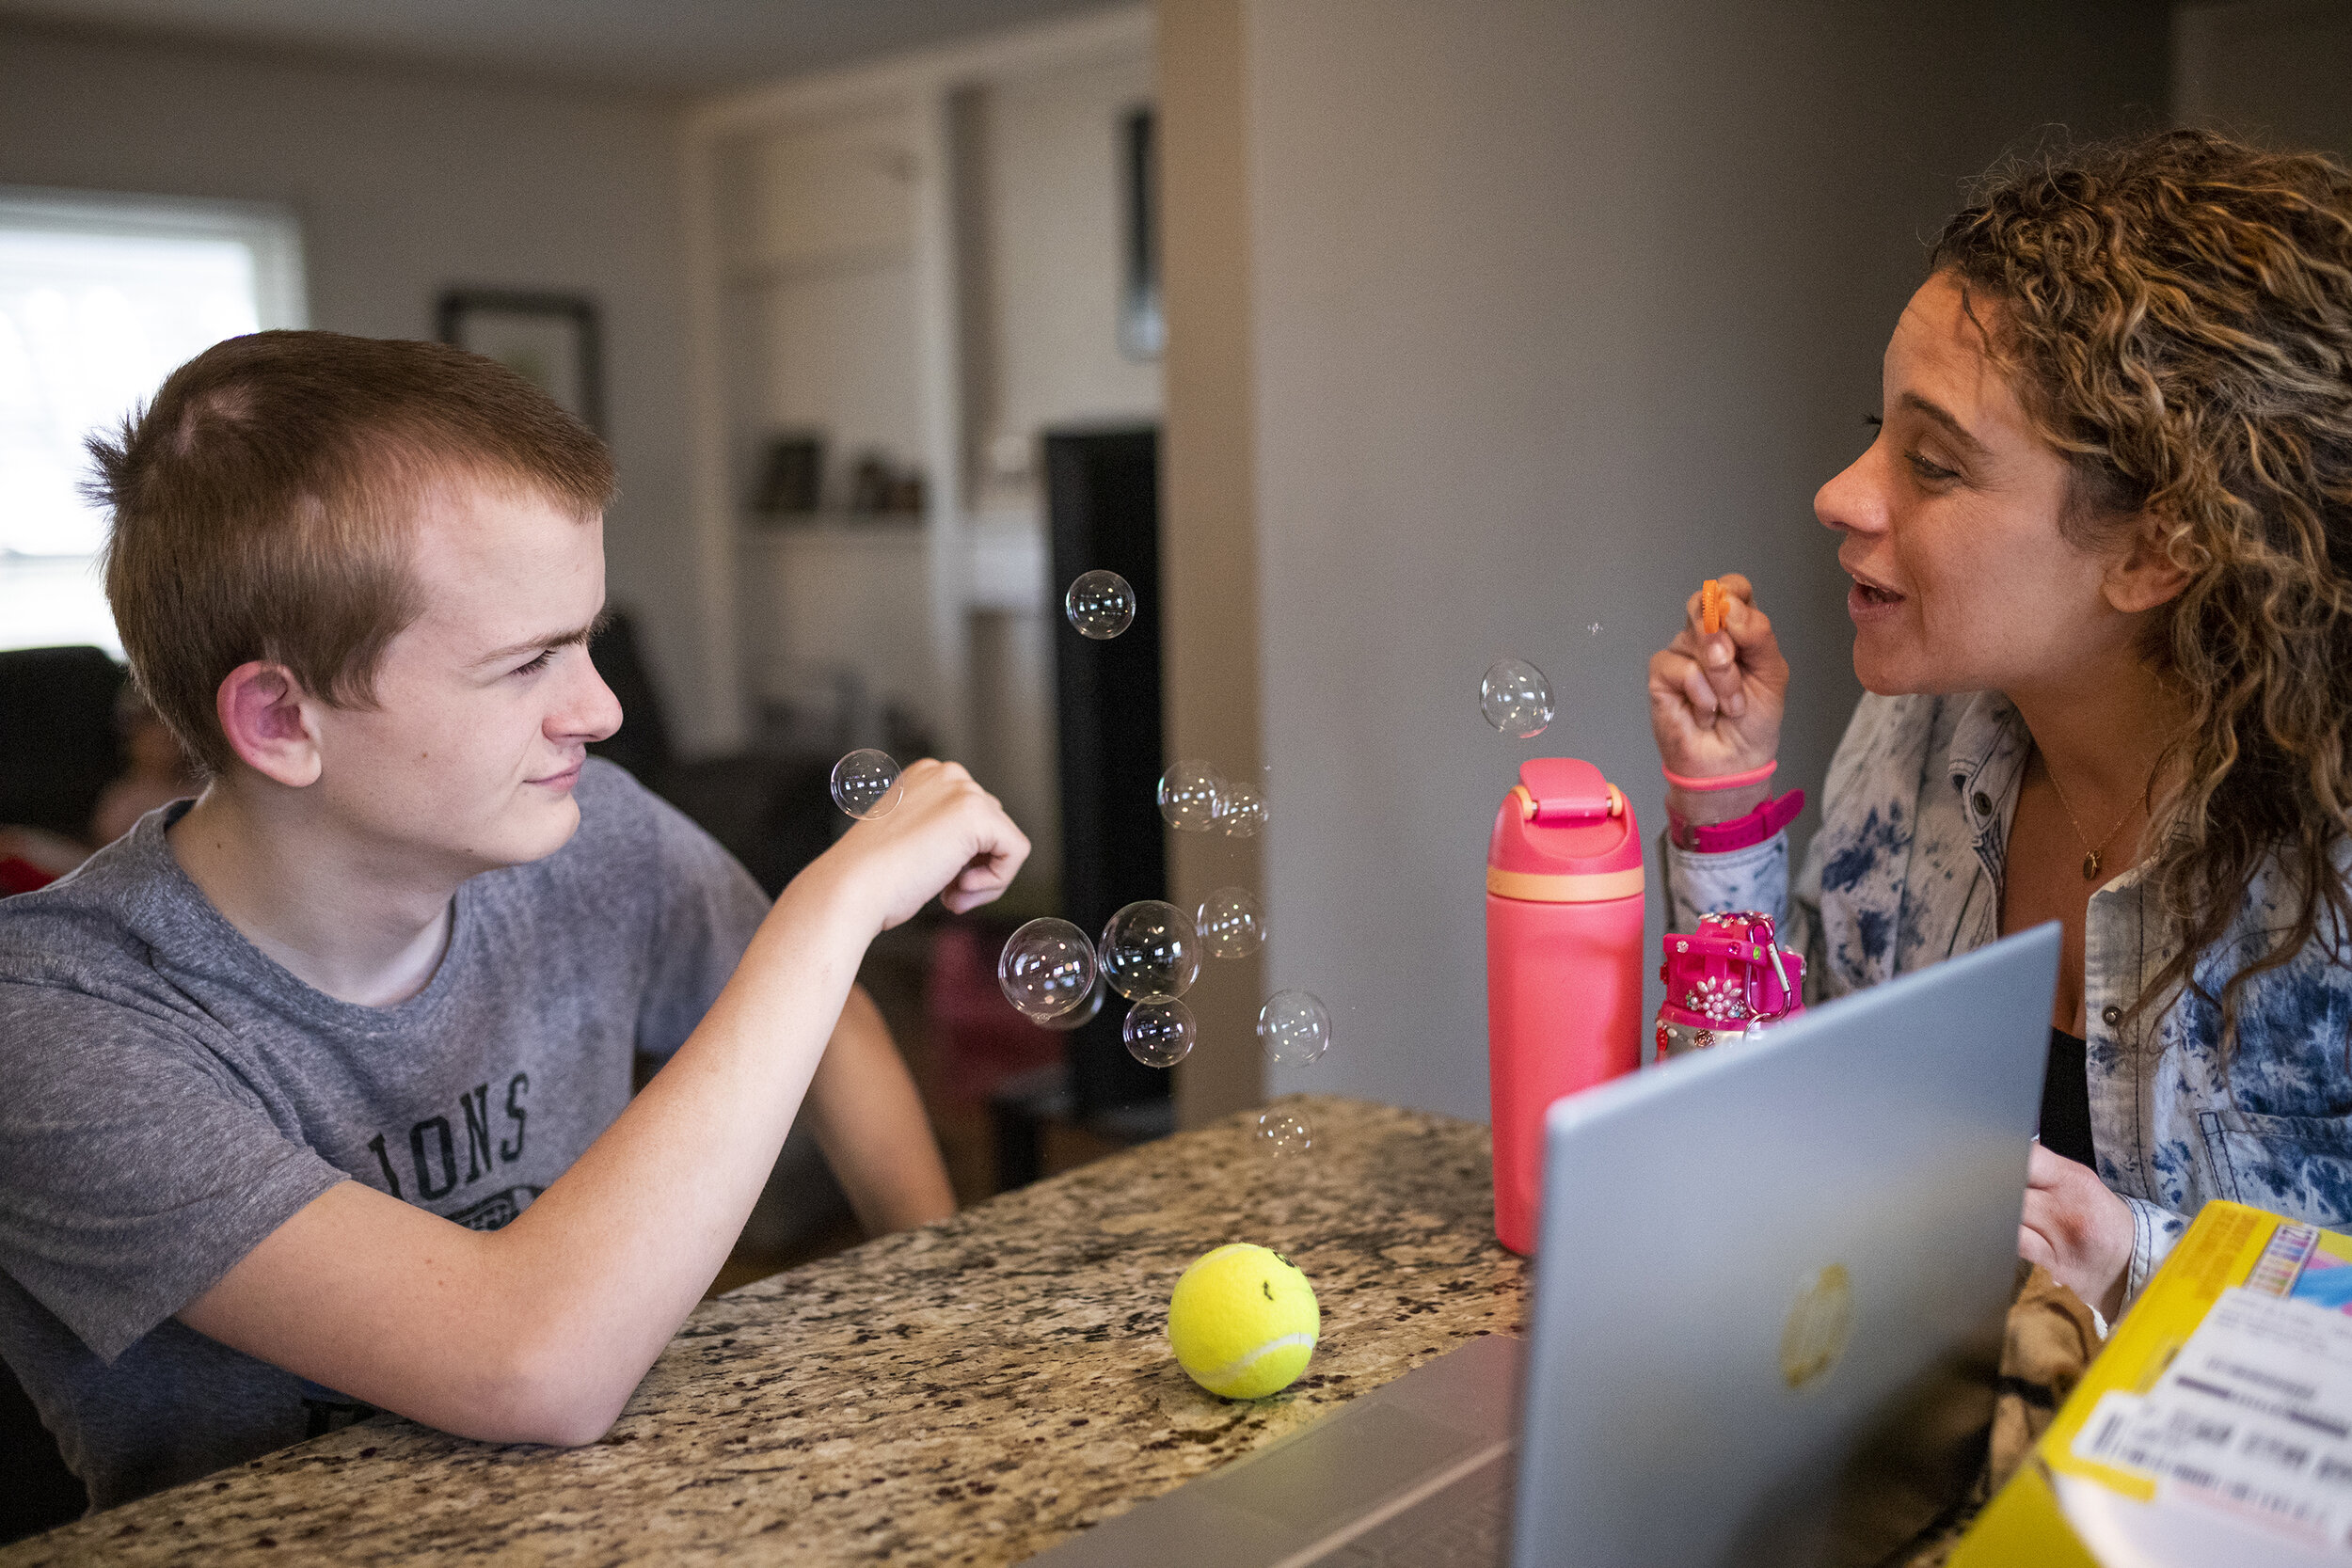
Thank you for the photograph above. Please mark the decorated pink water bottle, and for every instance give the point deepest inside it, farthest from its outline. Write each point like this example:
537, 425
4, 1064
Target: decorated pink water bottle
1725, 982
1564, 963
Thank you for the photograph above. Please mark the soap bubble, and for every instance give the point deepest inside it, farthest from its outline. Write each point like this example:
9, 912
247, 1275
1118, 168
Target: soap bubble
1516, 698
1229, 923
1240, 811
865, 784
1150, 952
1159, 1034
1280, 1132
1083, 1014
1100, 605
1047, 968
1293, 1028
1191, 794
1593, 629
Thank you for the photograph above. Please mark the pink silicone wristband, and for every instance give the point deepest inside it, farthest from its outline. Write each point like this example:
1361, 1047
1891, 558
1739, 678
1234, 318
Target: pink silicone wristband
1720, 838
1725, 781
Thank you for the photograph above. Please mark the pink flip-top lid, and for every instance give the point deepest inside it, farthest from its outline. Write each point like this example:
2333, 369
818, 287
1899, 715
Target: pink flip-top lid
1563, 820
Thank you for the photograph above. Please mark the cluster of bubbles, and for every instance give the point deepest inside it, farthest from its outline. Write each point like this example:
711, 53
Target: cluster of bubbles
1195, 797
1150, 952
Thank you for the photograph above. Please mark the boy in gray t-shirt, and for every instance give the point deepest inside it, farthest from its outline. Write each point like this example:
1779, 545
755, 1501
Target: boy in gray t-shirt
319, 1086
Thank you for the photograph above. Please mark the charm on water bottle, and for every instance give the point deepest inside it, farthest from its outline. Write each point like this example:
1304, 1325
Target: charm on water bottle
1726, 981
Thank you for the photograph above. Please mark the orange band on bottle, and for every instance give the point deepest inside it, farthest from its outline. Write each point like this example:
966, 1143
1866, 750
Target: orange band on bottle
1592, 887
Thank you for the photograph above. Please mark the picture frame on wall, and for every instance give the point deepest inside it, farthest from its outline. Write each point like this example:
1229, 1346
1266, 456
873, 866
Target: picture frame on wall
1142, 329
550, 339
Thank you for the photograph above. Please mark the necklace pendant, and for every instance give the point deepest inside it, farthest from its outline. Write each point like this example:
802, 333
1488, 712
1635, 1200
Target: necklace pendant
2091, 867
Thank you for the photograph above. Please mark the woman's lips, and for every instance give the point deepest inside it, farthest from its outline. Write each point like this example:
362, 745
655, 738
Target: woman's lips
1865, 602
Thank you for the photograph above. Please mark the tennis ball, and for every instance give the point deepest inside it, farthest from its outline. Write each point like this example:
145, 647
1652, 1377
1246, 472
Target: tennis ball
1243, 1322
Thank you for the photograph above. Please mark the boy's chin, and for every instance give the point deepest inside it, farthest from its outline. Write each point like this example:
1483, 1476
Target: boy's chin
535, 834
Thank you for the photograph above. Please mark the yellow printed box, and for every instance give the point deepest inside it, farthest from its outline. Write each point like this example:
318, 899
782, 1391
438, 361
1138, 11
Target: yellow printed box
2216, 1427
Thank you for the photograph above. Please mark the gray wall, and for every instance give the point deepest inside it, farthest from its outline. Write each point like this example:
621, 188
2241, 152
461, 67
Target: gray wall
1559, 308
405, 182
2274, 70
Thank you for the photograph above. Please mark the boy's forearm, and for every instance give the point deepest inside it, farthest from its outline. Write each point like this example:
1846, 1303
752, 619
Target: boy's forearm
870, 1123
633, 1234
540, 1332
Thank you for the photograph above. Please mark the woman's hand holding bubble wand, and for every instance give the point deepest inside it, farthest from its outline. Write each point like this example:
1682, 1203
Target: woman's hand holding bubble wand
1716, 699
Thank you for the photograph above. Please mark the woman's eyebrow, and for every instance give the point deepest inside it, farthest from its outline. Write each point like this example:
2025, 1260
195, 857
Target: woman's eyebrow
1942, 417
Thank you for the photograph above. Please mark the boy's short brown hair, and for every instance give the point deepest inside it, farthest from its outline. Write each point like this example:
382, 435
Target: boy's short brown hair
262, 506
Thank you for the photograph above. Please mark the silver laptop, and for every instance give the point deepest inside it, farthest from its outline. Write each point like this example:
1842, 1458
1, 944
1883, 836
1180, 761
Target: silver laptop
1769, 1300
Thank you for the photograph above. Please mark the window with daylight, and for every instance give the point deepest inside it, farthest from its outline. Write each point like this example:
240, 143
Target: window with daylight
100, 297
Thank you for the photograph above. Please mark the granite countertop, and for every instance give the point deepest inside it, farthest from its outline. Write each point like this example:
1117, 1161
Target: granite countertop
970, 1392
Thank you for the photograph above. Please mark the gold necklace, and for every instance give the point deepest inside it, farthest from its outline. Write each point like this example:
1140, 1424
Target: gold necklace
2091, 851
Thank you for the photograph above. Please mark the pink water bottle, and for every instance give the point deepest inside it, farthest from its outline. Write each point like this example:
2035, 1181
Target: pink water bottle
1564, 963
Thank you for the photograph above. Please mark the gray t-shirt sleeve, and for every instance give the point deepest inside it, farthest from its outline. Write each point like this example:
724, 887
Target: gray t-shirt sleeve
137, 1172
706, 911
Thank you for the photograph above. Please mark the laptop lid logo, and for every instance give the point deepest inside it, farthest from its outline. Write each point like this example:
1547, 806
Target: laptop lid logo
1819, 1322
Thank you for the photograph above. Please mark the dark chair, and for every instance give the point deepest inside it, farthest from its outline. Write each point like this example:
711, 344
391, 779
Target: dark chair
36, 1491
59, 745
775, 813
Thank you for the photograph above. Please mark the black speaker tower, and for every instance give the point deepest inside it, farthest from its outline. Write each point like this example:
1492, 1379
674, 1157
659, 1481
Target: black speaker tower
1102, 497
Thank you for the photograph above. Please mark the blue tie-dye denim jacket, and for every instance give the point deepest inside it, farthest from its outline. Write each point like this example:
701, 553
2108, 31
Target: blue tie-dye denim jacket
1906, 871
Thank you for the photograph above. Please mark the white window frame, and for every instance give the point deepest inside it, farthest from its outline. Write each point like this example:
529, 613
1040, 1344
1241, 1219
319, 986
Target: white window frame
270, 230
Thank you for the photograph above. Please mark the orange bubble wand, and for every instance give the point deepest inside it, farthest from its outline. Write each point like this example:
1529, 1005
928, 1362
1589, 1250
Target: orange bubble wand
1711, 600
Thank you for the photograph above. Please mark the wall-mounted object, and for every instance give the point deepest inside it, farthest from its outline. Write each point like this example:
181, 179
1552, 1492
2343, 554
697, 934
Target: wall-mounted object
879, 487
1142, 330
549, 339
792, 479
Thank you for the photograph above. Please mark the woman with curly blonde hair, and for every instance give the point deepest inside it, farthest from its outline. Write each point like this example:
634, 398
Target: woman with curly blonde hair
2102, 559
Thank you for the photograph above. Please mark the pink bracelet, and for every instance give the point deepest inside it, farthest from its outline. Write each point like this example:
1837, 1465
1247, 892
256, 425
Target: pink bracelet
1716, 839
1726, 781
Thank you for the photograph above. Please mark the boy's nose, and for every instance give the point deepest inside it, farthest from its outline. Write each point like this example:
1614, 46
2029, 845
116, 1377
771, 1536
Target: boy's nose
593, 713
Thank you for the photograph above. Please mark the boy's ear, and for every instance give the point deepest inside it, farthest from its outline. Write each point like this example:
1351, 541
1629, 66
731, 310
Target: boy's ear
2144, 575
263, 710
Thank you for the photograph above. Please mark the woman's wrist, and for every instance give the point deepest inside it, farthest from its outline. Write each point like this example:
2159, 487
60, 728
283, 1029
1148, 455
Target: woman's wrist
1701, 807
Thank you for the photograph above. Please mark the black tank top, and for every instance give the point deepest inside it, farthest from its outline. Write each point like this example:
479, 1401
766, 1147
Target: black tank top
2066, 1098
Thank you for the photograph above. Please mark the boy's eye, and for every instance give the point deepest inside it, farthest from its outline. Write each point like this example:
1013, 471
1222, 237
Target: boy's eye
544, 657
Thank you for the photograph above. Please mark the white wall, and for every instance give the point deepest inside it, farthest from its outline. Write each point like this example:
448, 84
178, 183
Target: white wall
1042, 267
1047, 263
1559, 308
407, 182
826, 248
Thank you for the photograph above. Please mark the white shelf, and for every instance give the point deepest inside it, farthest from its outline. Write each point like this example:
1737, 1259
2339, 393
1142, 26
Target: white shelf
785, 268
828, 524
